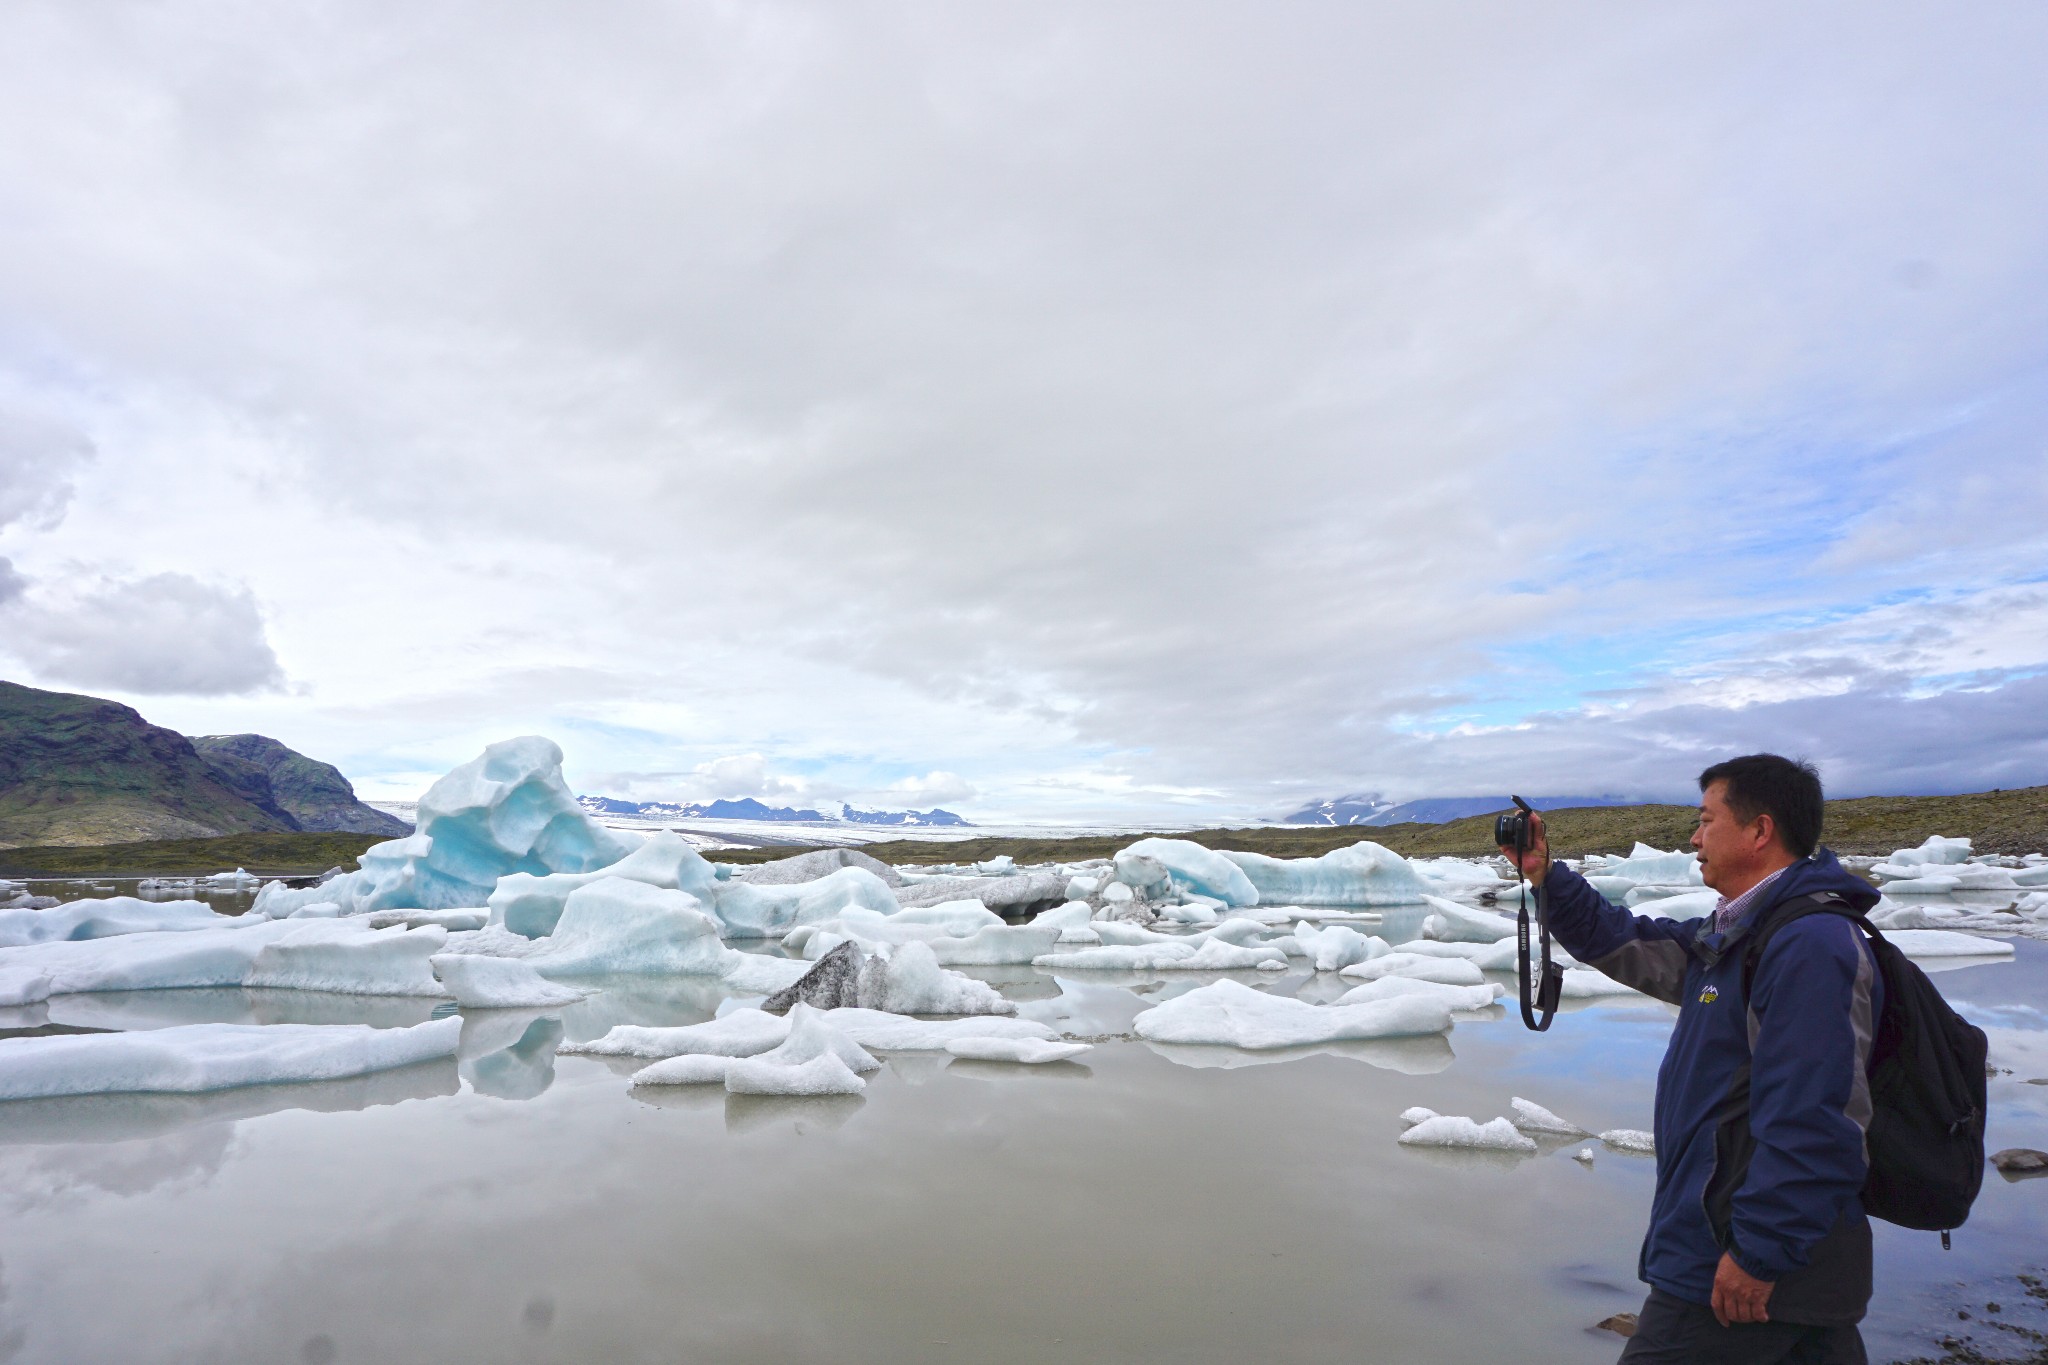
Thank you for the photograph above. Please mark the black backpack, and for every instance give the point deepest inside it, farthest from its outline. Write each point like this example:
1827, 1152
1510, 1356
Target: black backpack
1927, 1090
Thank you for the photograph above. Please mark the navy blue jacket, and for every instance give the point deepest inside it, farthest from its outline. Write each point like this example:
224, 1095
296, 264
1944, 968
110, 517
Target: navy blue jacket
1761, 1102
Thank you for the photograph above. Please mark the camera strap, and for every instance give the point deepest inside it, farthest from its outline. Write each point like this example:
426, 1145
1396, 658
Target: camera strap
1548, 986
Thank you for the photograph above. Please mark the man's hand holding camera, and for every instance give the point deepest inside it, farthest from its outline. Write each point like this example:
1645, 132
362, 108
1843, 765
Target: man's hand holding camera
1533, 857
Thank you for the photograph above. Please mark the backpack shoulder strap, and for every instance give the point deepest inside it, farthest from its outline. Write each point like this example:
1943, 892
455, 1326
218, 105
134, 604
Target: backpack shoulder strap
1798, 908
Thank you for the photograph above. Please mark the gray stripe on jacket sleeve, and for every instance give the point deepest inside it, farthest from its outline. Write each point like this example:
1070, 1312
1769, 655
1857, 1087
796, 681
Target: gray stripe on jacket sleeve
1656, 967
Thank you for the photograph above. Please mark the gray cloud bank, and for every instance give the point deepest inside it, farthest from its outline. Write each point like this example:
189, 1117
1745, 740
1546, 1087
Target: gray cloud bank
1084, 405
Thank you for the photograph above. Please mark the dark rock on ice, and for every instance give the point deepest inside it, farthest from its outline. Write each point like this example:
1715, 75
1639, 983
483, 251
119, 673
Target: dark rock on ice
833, 984
2016, 1163
1621, 1324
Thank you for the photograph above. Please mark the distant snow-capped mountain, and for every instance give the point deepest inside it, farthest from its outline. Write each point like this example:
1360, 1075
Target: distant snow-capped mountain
934, 816
747, 808
1357, 809
1436, 810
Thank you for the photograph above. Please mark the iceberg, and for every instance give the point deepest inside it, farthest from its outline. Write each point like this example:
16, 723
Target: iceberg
1191, 868
1024, 1051
818, 863
1634, 1141
749, 1032
747, 910
911, 981
1447, 971
616, 925
199, 1057
1644, 866
479, 982
1231, 1014
824, 1074
1531, 1117
1448, 1130
106, 919
1450, 922
314, 955
1363, 874
814, 1058
1937, 943
1171, 955
1456, 997
1335, 947
530, 905
505, 811
1934, 851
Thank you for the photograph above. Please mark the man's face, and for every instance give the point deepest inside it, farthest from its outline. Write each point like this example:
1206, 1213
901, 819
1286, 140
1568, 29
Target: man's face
1729, 849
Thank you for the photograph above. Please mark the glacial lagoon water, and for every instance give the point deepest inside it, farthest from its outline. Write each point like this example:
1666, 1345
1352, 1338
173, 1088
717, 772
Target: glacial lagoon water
1140, 1204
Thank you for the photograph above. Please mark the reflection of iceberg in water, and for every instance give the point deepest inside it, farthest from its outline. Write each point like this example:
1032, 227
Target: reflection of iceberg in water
125, 1010
652, 1002
520, 1071
974, 1069
120, 1118
1418, 1056
809, 1113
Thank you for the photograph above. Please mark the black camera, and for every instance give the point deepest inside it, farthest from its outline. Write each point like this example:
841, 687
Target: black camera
1511, 829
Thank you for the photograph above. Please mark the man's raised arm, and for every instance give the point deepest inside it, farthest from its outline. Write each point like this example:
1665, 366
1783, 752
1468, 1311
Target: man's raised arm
1645, 954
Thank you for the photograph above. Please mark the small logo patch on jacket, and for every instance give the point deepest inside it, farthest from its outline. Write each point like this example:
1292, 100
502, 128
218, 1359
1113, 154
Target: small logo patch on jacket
1710, 995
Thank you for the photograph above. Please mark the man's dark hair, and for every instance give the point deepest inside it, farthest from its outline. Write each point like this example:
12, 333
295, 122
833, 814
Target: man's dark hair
1765, 784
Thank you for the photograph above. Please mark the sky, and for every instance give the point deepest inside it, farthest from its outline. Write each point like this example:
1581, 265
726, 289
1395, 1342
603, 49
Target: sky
1053, 411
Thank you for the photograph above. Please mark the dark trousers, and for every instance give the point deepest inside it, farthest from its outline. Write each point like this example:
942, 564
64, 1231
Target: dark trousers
1671, 1331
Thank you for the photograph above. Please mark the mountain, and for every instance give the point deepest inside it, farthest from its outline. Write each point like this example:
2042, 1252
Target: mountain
747, 808
80, 770
931, 817
314, 794
1343, 810
1371, 810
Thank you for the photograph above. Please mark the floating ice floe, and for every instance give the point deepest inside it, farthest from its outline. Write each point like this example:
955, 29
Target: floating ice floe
1025, 1051
499, 983
1448, 971
1234, 1015
1071, 920
1456, 997
1172, 955
1450, 922
200, 1057
1464, 878
1363, 874
314, 955
1634, 1141
90, 919
1450, 1130
1531, 1117
1192, 869
531, 905
1938, 943
748, 1032
1334, 947
815, 1057
504, 812
1614, 877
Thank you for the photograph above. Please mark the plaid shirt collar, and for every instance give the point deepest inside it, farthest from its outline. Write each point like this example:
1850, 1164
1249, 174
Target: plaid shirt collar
1729, 913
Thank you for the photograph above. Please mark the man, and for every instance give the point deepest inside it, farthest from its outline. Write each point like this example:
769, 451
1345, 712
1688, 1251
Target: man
1758, 1249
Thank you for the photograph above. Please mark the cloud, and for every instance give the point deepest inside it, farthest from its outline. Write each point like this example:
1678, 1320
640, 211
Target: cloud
933, 789
12, 583
38, 459
1123, 420
164, 634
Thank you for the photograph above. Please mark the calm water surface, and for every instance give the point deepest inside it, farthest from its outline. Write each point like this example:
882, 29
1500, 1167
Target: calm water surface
1143, 1204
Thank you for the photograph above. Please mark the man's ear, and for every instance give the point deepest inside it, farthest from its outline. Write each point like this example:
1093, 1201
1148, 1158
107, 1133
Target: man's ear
1768, 828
